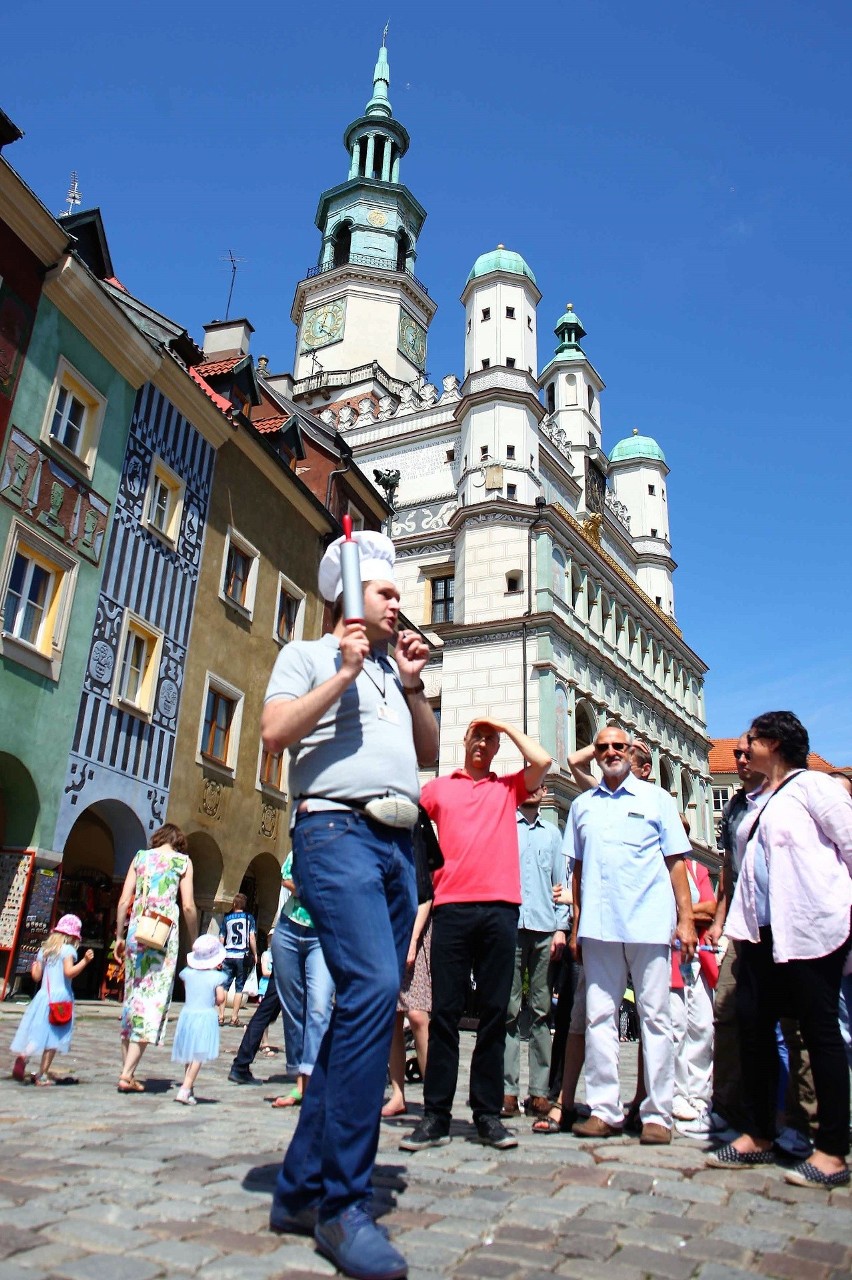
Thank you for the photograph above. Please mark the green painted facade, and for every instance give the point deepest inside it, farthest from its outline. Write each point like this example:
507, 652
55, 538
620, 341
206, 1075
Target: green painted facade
38, 713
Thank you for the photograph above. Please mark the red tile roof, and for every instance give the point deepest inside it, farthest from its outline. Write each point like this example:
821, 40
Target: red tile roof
722, 758
219, 401
212, 368
267, 425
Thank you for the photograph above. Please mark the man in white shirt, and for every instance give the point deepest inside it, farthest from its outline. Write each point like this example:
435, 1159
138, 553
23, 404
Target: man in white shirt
630, 895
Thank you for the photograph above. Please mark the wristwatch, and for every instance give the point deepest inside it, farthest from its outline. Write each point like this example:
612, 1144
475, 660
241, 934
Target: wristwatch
415, 689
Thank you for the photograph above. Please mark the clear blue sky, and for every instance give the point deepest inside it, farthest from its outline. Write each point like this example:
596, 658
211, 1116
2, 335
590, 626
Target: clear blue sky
680, 171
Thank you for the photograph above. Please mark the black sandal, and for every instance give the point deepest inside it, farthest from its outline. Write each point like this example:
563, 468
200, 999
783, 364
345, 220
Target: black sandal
548, 1125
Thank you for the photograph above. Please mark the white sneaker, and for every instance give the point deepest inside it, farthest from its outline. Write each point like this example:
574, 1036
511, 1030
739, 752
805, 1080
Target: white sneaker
683, 1110
700, 1126
186, 1096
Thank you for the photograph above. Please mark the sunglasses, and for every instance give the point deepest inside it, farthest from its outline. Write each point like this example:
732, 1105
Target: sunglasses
745, 755
612, 746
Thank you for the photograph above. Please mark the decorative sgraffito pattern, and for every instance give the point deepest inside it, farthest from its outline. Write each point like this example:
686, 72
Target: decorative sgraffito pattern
61, 504
114, 752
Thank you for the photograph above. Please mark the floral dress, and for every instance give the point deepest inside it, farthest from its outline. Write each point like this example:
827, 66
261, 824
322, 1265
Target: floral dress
149, 974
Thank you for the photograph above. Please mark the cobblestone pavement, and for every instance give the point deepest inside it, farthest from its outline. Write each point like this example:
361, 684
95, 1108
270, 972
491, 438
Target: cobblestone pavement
97, 1184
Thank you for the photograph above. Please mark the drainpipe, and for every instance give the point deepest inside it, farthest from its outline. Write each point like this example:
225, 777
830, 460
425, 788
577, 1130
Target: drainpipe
540, 506
346, 457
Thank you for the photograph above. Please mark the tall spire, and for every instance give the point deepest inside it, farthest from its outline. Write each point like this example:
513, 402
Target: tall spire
379, 104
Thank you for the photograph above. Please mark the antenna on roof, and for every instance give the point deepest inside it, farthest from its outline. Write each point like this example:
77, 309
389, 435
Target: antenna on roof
234, 261
73, 198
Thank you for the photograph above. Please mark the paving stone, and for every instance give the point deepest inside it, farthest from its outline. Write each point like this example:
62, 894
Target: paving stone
832, 1254
112, 1265
48, 1256
180, 1255
790, 1268
750, 1237
718, 1271
655, 1262
587, 1269
32, 1215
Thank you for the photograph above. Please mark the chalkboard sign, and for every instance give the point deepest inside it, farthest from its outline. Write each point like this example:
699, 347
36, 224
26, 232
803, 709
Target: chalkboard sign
36, 924
14, 869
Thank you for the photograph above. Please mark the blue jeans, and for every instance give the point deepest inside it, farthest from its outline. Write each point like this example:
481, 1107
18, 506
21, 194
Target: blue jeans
356, 879
305, 990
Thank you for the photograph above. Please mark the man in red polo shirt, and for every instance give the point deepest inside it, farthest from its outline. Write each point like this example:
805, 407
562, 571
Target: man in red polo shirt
474, 926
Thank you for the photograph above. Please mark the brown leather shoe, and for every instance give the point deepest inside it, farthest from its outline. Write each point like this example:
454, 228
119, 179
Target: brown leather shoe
594, 1127
510, 1105
537, 1105
655, 1135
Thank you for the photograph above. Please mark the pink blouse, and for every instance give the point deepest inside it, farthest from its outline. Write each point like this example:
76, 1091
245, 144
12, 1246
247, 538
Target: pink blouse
806, 830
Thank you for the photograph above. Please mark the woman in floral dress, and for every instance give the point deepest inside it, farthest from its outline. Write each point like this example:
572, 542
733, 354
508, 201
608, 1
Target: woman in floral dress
157, 879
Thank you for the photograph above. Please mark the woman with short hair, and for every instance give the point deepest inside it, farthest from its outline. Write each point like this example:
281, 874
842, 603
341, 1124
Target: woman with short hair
791, 914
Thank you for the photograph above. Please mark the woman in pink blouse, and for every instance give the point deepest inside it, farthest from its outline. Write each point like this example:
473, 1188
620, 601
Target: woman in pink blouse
791, 913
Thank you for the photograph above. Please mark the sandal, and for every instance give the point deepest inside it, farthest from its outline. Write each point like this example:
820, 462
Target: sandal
548, 1124
237, 1023
268, 1052
221, 1022
129, 1086
43, 1081
292, 1099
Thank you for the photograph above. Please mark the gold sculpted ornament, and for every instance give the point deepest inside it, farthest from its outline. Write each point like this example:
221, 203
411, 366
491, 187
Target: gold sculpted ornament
377, 217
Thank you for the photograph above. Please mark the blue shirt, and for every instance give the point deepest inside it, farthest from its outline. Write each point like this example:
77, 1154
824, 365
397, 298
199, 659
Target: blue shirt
542, 866
622, 839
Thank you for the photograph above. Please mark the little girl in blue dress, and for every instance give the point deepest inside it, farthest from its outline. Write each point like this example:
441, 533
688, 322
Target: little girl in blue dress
54, 966
197, 1034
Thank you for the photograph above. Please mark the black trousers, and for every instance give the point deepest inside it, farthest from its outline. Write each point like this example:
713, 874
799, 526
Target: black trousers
808, 990
478, 936
562, 1022
265, 1014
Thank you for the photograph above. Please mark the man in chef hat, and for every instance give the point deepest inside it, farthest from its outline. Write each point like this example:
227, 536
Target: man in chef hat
357, 725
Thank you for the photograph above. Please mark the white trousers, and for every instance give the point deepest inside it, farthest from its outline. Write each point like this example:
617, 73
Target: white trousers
607, 965
692, 1025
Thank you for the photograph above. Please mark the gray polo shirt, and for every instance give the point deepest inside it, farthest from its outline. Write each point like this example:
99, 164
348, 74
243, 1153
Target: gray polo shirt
363, 746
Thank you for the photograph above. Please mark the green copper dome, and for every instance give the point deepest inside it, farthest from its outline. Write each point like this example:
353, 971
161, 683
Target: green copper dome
637, 446
500, 259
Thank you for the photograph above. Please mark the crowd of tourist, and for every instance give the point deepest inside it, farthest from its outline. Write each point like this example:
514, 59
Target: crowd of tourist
739, 992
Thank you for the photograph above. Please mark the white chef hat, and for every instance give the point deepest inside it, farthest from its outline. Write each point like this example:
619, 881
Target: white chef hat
377, 561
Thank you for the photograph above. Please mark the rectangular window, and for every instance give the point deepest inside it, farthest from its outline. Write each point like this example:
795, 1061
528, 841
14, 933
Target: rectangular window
510, 313
220, 723
720, 798
73, 418
289, 611
36, 588
652, 490
239, 572
486, 313
512, 492
529, 322
356, 516
483, 451
272, 769
451, 455
443, 596
140, 648
486, 364
164, 506
510, 362
510, 451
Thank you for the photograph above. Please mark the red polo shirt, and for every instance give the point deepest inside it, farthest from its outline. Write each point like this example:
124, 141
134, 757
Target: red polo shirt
478, 833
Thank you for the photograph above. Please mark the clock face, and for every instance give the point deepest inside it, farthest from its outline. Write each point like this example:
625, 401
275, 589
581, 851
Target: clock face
412, 339
323, 324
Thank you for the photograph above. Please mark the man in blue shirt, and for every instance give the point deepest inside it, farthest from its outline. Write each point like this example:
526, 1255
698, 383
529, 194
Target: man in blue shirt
541, 941
238, 935
630, 895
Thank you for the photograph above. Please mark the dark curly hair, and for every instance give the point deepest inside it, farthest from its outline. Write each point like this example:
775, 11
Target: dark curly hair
788, 731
